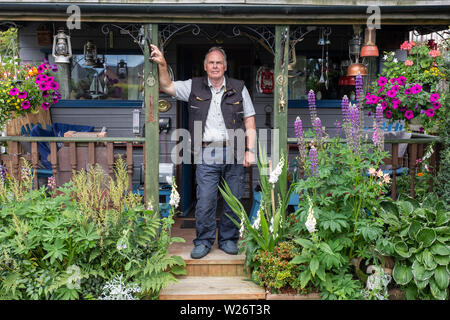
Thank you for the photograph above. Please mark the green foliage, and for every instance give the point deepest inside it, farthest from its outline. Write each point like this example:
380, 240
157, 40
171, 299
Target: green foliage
421, 238
275, 273
269, 227
61, 248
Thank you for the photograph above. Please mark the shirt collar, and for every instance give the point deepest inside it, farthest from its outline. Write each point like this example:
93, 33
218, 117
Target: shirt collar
223, 84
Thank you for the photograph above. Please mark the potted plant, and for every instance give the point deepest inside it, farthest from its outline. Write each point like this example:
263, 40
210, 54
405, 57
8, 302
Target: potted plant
413, 90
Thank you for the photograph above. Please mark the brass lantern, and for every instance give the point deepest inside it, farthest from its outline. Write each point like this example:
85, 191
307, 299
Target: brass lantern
354, 47
62, 48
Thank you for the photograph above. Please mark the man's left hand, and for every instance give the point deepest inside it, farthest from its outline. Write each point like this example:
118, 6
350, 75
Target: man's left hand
249, 159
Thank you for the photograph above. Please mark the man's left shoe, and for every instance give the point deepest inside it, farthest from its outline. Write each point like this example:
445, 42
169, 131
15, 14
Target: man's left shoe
229, 247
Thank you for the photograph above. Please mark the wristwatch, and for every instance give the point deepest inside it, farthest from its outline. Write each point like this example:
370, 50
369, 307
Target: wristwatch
252, 150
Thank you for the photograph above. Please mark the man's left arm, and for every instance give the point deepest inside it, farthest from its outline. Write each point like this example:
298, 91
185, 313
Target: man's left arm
250, 133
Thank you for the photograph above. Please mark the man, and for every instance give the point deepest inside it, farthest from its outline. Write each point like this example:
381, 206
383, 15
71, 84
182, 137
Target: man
221, 105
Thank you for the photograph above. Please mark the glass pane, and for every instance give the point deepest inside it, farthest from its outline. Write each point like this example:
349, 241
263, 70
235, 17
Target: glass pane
118, 78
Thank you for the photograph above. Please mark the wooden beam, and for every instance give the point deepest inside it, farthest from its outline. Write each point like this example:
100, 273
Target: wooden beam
280, 93
151, 97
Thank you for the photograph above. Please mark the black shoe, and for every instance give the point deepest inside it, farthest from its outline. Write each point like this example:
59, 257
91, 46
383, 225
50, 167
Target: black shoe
199, 251
229, 247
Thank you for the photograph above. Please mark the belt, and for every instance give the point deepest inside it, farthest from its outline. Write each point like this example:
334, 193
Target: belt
214, 144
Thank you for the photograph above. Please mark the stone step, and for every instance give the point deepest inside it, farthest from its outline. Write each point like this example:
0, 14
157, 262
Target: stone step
213, 288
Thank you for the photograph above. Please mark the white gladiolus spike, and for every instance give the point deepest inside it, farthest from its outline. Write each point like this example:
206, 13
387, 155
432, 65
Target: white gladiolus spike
310, 220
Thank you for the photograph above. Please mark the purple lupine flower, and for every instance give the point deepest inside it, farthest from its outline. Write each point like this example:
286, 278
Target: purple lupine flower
358, 87
52, 182
314, 161
300, 139
3, 172
312, 105
338, 126
318, 130
379, 115
355, 125
378, 136
345, 110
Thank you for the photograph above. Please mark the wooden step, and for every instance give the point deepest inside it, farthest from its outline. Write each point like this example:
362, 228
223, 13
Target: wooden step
213, 288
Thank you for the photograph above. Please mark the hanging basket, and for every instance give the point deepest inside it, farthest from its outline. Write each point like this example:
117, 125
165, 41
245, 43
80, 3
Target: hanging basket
14, 125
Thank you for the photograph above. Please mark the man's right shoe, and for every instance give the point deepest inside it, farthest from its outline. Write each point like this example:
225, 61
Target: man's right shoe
199, 251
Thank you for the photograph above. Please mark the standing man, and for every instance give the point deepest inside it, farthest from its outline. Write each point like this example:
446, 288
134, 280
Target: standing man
221, 106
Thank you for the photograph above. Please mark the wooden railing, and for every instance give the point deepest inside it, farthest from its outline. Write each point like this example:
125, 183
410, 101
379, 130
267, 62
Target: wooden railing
415, 150
13, 156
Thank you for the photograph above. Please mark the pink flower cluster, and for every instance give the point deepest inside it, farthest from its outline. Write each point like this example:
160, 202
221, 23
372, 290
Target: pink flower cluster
407, 45
434, 53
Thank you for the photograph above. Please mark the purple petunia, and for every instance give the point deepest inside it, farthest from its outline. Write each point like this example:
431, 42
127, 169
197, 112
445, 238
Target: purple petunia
434, 97
383, 105
13, 91
416, 88
393, 80
436, 105
45, 94
430, 113
45, 105
25, 104
53, 67
388, 114
382, 81
401, 80
409, 114
23, 95
53, 85
391, 93
408, 91
43, 86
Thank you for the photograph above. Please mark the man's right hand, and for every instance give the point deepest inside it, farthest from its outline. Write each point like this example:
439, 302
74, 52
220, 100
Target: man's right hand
165, 83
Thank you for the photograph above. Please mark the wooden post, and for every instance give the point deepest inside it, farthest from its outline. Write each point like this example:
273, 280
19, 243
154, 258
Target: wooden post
110, 157
34, 162
394, 170
73, 156
412, 166
91, 152
280, 105
54, 160
151, 97
130, 166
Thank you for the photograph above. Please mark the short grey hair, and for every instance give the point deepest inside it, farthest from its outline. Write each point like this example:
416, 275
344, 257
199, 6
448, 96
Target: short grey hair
216, 49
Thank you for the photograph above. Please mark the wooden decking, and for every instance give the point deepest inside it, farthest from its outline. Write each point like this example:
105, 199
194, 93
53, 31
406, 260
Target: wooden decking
217, 276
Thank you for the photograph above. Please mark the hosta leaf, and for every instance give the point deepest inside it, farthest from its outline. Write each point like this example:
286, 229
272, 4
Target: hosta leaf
414, 228
420, 212
440, 249
419, 271
426, 236
438, 293
441, 277
406, 207
402, 274
402, 249
442, 260
428, 260
421, 284
442, 218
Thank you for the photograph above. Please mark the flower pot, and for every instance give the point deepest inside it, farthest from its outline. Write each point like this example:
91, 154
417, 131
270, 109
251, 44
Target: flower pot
14, 125
387, 263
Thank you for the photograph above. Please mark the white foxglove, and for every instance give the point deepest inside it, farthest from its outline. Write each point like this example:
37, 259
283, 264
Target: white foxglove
275, 174
257, 223
310, 220
174, 197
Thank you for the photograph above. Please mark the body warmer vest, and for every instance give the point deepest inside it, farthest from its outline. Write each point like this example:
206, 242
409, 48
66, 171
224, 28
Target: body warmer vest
232, 112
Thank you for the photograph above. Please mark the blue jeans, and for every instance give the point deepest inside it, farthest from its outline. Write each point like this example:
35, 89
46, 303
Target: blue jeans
209, 175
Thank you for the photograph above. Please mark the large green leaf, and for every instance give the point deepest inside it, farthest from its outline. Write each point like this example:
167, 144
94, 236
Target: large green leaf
305, 276
441, 277
300, 259
305, 243
405, 207
442, 260
421, 284
402, 274
438, 293
426, 237
428, 260
419, 271
414, 228
402, 249
440, 249
314, 265
442, 218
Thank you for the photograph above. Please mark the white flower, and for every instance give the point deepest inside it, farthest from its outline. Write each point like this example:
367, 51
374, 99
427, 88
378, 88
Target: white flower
241, 230
271, 225
150, 206
257, 223
275, 174
395, 60
310, 220
385, 57
174, 197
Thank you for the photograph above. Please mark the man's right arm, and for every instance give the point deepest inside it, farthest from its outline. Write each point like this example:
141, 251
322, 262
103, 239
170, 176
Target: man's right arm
165, 83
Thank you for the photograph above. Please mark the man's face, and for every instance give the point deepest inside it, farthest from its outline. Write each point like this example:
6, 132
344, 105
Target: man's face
215, 65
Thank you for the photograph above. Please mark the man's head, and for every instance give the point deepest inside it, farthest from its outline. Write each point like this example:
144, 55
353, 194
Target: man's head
215, 63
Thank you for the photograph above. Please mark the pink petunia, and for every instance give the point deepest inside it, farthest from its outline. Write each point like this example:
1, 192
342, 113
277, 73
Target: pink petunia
25, 104
430, 113
401, 80
23, 95
391, 93
409, 114
53, 85
45, 105
382, 81
416, 88
436, 105
393, 80
45, 94
409, 63
43, 86
384, 105
395, 88
13, 91
434, 97
380, 90
408, 91
388, 114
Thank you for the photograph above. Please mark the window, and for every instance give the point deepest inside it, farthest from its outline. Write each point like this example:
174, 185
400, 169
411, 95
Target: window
119, 78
